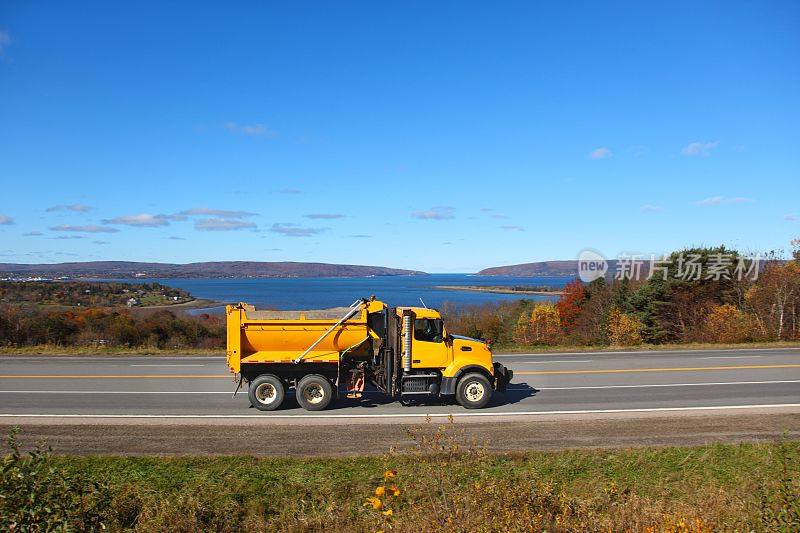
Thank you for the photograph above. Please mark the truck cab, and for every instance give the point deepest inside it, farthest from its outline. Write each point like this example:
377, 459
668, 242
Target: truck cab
445, 359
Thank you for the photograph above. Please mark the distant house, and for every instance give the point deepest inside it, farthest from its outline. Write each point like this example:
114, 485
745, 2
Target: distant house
132, 302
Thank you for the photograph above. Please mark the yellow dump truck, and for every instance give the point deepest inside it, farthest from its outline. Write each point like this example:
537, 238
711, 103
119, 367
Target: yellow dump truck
404, 352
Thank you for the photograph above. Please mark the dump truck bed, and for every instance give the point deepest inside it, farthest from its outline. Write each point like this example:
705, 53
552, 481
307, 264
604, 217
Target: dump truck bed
281, 336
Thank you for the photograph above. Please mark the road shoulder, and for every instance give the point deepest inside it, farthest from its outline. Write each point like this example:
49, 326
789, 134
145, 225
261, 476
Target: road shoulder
262, 437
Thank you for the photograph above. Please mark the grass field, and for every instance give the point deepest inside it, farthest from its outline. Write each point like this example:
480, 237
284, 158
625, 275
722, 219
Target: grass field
445, 484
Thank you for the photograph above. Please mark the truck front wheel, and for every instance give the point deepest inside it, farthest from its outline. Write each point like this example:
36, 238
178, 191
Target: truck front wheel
266, 392
314, 392
473, 391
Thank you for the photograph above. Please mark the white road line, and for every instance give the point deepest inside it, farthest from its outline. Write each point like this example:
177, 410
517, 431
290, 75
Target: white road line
114, 392
733, 357
709, 384
649, 352
549, 362
181, 366
423, 415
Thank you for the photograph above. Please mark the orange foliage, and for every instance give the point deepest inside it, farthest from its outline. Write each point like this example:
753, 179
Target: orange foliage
569, 304
624, 330
543, 326
727, 323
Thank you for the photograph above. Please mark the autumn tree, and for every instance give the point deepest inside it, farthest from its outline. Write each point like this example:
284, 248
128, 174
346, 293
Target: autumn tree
727, 324
590, 323
569, 304
522, 331
623, 329
543, 326
674, 302
775, 299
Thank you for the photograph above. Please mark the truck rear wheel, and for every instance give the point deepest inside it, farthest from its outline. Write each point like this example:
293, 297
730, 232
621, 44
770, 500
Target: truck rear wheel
266, 392
314, 392
473, 391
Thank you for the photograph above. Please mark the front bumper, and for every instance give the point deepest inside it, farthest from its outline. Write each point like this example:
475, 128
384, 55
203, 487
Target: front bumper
502, 377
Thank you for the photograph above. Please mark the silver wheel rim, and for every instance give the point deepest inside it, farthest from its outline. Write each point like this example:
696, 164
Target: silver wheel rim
313, 393
475, 391
266, 394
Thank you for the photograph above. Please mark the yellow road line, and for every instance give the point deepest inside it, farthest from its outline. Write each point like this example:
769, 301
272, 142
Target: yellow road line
634, 370
114, 376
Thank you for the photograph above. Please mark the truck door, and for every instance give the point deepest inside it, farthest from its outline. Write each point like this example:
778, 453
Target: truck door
429, 347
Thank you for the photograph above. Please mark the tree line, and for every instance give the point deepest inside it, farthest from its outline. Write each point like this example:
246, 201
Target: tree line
163, 329
710, 305
88, 293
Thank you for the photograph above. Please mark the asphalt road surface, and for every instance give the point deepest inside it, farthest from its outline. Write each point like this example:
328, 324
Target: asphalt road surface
184, 405
543, 384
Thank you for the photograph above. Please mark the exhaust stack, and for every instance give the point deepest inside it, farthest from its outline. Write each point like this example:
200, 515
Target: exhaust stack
408, 331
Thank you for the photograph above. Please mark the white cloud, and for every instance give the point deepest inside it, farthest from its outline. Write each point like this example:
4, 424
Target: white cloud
650, 208
144, 220
6, 220
91, 228
512, 228
717, 200
176, 238
250, 129
435, 213
711, 200
205, 211
33, 234
75, 208
293, 230
790, 218
141, 220
324, 216
600, 153
222, 224
699, 148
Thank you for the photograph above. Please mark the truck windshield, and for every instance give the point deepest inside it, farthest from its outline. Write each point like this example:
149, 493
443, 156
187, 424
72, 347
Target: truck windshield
428, 330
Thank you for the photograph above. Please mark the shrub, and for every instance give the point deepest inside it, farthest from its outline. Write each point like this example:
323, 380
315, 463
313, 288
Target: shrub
36, 496
20, 326
542, 327
727, 323
780, 500
624, 329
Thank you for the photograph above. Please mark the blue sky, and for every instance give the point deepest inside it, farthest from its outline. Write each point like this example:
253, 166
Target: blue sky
446, 137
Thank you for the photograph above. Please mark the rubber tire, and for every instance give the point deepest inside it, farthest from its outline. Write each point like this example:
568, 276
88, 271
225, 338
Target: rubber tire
461, 391
280, 390
327, 392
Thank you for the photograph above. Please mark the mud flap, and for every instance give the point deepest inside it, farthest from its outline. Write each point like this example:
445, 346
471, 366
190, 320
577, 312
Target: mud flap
502, 377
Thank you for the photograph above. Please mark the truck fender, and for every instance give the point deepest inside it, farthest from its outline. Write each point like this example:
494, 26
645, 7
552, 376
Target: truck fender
449, 383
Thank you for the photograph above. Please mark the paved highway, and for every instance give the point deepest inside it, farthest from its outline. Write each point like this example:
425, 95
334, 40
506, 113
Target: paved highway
543, 385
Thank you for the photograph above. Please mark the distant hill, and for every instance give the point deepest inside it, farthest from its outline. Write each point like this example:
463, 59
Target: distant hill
570, 268
213, 269
543, 268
